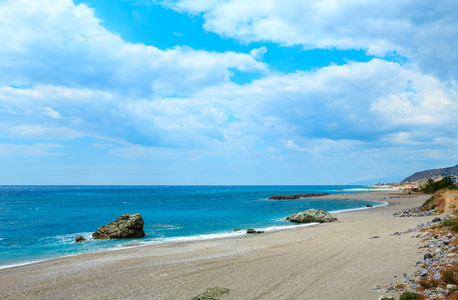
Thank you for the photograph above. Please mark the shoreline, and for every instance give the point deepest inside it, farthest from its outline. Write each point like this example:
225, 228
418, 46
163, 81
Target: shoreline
225, 261
212, 236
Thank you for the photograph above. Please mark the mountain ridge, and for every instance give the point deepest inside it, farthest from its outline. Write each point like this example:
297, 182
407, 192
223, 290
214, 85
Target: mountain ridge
432, 173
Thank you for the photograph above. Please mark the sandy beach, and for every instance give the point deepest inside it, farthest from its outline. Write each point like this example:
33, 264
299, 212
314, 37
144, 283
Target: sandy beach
328, 261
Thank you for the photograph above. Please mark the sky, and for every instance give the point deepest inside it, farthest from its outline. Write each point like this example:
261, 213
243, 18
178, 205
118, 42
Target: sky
226, 92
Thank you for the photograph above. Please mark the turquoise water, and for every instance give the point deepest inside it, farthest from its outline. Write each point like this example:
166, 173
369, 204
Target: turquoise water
41, 222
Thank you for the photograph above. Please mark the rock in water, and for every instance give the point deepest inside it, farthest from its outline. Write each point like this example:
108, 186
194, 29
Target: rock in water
80, 239
125, 227
312, 216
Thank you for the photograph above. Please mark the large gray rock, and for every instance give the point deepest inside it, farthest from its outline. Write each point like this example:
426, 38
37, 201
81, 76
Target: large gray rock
312, 216
125, 227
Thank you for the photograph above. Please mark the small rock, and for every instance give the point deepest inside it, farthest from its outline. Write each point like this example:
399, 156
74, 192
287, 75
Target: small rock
251, 231
437, 276
376, 288
236, 229
452, 287
80, 239
451, 255
441, 291
374, 237
427, 256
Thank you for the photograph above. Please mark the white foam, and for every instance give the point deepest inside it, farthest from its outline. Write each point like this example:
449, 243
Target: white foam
21, 264
382, 204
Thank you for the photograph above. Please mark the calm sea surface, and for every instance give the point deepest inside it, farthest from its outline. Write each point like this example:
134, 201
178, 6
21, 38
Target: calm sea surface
41, 222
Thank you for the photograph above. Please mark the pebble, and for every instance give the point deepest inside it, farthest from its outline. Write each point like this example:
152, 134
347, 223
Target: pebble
439, 251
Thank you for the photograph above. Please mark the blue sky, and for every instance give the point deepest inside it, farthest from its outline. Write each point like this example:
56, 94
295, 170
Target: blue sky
226, 92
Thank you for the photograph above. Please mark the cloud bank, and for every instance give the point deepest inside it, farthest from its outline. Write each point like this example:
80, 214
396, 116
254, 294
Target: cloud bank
65, 77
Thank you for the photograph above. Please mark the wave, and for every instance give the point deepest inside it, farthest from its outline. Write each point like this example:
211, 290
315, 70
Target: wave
381, 204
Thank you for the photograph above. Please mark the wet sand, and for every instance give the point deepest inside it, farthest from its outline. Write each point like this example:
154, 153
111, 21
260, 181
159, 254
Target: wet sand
329, 261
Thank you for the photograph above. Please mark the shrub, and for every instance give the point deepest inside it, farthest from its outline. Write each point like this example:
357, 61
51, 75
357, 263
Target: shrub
454, 227
449, 222
212, 293
448, 276
433, 186
409, 295
427, 284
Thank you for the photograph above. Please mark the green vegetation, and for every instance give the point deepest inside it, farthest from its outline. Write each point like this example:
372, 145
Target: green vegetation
449, 276
427, 284
449, 222
432, 186
428, 202
409, 295
213, 293
454, 228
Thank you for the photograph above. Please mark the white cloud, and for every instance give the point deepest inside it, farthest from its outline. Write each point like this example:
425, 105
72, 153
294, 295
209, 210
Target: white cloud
258, 53
80, 81
52, 113
30, 150
58, 43
360, 102
293, 146
424, 31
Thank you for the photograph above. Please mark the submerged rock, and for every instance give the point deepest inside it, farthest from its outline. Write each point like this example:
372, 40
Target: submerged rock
80, 239
124, 227
312, 216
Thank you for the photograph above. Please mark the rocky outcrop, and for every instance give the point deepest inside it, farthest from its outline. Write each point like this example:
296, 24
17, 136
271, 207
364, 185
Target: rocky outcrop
80, 239
125, 227
312, 216
297, 196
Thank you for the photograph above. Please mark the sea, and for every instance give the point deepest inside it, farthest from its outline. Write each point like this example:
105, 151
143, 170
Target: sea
41, 222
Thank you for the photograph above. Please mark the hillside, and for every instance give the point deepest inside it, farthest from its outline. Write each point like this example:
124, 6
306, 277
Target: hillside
433, 173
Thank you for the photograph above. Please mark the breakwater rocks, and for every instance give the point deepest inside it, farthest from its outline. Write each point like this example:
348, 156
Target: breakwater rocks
414, 212
124, 227
436, 269
297, 196
312, 216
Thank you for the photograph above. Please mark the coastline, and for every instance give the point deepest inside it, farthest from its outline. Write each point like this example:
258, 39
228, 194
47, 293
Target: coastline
325, 260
